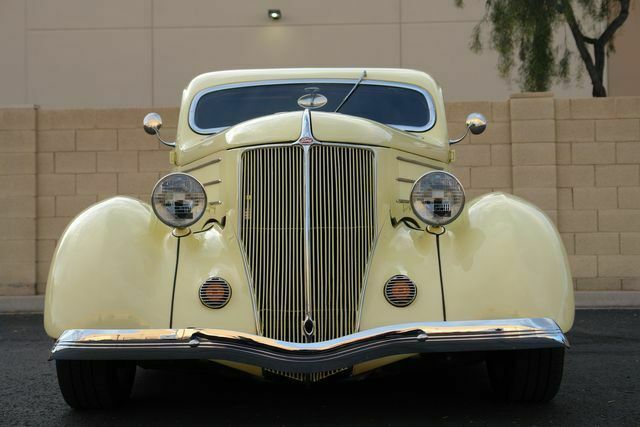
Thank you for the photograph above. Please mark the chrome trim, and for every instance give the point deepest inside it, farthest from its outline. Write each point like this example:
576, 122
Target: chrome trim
153, 205
212, 182
400, 179
209, 301
476, 123
449, 220
217, 344
403, 201
397, 300
212, 162
152, 123
215, 202
365, 282
312, 99
424, 92
419, 163
306, 132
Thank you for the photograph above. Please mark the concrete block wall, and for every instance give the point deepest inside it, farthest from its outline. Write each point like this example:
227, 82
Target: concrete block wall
577, 159
599, 190
18, 200
85, 156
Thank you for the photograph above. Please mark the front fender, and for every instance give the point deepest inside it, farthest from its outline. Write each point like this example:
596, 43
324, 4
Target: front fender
503, 258
113, 268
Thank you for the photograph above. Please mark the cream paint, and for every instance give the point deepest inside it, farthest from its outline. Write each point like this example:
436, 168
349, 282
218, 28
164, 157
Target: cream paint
113, 268
503, 258
114, 265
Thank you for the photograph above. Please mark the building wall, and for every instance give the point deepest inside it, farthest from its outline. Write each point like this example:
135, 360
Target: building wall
130, 53
18, 201
578, 159
624, 65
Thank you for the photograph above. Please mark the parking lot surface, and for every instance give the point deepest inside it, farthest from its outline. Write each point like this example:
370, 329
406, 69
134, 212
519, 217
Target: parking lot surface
601, 386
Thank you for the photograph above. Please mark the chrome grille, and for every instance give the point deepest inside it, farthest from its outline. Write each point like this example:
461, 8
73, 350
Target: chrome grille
272, 232
342, 227
342, 231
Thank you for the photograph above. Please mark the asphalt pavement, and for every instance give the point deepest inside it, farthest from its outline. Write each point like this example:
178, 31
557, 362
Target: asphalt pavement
601, 386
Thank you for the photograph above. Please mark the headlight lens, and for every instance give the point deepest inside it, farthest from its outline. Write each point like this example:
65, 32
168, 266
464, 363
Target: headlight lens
437, 198
179, 200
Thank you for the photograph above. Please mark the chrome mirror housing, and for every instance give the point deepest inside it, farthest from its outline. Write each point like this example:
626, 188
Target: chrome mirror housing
476, 124
152, 123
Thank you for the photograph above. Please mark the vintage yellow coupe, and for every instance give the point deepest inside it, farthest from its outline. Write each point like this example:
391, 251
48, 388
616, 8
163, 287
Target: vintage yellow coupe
311, 230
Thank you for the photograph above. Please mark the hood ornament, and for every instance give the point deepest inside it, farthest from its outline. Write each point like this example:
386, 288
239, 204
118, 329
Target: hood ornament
312, 99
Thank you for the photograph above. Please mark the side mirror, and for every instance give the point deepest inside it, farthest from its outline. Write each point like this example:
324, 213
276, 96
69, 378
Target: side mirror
152, 123
476, 124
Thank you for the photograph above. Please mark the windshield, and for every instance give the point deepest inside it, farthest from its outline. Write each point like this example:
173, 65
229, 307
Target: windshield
405, 107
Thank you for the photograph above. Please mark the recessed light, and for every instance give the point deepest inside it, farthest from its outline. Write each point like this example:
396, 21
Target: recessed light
275, 14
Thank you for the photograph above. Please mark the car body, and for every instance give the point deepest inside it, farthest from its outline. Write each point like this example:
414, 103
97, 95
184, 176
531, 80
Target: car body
310, 260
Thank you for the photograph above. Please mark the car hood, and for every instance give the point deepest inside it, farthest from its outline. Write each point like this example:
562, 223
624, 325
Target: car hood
326, 127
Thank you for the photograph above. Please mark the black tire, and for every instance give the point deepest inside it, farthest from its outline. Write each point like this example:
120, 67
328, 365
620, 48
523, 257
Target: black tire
95, 384
526, 375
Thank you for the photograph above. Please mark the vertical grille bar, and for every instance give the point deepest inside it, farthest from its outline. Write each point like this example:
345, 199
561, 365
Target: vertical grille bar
342, 221
341, 232
272, 234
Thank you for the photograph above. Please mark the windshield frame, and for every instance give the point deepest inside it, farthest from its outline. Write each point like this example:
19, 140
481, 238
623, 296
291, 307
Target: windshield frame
209, 131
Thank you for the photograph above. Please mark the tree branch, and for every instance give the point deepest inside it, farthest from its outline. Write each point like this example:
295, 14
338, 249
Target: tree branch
599, 47
579, 38
616, 23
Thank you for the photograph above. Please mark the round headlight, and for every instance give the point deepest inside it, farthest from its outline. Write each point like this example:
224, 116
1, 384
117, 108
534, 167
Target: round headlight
179, 200
437, 198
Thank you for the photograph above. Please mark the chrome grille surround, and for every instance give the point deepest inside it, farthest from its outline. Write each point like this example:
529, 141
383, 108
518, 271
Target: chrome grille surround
400, 291
215, 292
303, 265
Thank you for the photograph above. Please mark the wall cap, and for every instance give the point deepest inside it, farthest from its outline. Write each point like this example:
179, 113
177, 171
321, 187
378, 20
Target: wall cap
531, 95
22, 304
607, 299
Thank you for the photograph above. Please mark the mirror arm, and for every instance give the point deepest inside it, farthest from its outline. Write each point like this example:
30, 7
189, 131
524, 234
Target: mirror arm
455, 141
167, 143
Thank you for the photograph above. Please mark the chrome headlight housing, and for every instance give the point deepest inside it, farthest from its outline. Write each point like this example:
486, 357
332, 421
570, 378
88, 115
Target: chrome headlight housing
437, 198
179, 200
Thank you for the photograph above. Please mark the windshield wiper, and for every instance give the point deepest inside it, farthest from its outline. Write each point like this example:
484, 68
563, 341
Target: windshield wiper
355, 86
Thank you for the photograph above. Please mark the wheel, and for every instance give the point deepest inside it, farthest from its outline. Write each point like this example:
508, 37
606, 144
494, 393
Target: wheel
526, 375
94, 384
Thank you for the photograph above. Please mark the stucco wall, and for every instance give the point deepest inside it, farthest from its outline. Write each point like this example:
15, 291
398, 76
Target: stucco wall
577, 159
123, 53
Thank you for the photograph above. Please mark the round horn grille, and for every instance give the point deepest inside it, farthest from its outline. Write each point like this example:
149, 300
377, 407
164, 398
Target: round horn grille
400, 291
215, 292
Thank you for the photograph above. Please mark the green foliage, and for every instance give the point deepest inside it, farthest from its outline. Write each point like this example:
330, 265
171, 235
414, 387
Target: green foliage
522, 33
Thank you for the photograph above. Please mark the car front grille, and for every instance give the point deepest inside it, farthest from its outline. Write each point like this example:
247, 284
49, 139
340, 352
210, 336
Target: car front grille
341, 234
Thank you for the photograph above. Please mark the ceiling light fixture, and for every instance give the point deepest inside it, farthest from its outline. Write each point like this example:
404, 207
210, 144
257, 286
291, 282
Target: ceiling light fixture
275, 14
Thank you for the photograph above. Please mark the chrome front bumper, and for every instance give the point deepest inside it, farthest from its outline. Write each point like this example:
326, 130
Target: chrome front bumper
432, 337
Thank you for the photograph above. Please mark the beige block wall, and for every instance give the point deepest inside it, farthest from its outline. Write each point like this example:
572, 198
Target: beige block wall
85, 156
18, 201
578, 160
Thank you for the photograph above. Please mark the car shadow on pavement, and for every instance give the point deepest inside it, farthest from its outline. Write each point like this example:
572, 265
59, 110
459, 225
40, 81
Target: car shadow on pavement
406, 394
601, 386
